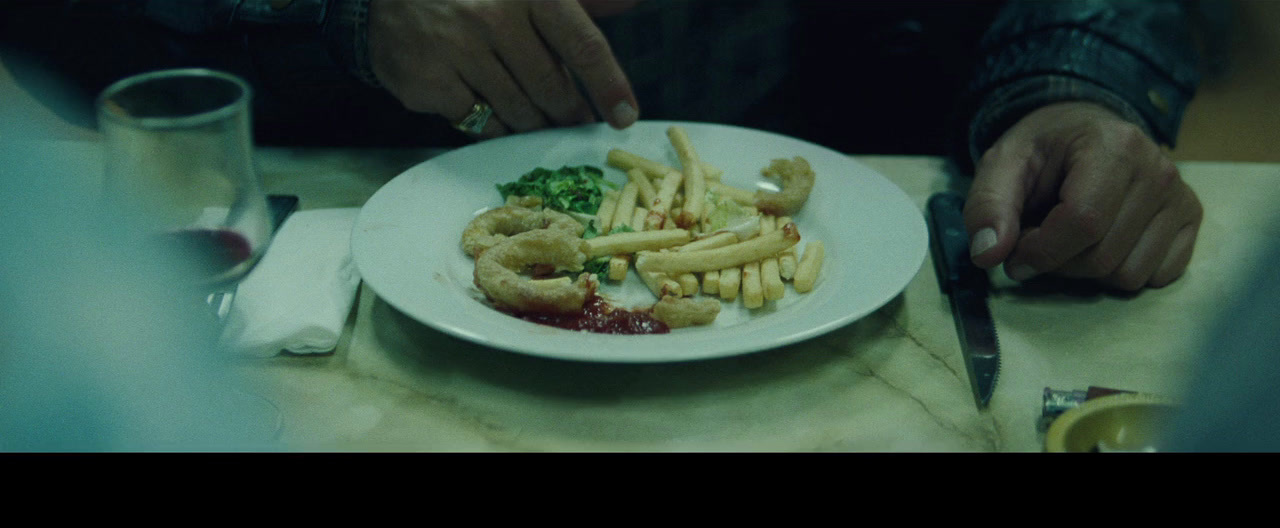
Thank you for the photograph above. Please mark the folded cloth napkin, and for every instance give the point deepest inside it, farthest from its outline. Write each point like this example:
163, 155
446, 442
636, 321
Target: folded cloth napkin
299, 295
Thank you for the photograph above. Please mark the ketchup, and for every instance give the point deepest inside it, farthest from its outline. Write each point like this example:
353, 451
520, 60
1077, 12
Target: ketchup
600, 317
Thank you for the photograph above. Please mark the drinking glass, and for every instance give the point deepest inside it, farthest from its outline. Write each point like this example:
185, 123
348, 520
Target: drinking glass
179, 173
179, 164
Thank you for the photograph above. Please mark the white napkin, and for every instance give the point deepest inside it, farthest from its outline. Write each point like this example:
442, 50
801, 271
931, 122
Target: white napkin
299, 295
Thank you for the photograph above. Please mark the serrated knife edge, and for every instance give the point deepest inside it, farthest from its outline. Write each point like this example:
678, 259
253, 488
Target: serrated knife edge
966, 286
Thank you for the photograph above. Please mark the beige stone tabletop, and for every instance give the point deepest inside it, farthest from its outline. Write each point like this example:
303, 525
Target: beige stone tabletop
892, 381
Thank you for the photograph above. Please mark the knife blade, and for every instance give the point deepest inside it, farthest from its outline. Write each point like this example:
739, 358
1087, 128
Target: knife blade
967, 286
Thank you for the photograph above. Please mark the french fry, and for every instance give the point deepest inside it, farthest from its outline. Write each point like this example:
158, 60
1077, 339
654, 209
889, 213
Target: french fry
709, 242
637, 219
660, 284
712, 172
770, 280
786, 259
695, 181
663, 203
774, 289
618, 267
711, 282
688, 284
604, 215
787, 266
737, 194
730, 281
752, 290
754, 250
809, 267
648, 193
635, 241
626, 204
670, 222
627, 161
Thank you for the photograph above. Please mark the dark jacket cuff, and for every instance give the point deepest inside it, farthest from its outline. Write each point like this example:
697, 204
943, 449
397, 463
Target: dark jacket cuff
311, 32
1003, 107
1136, 58
346, 31
221, 15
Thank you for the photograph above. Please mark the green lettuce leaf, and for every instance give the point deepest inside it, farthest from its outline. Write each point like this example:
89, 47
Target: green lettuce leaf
598, 266
568, 189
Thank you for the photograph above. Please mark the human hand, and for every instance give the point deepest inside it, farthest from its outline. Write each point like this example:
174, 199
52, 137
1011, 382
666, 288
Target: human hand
1074, 190
443, 56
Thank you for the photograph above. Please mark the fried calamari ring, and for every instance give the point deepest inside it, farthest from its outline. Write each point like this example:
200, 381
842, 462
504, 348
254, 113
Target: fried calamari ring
797, 181
495, 225
498, 269
528, 202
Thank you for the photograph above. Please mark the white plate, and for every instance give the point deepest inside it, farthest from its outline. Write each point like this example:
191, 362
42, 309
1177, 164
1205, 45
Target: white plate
406, 242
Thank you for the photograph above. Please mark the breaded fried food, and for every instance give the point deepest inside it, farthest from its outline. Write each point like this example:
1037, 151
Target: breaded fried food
796, 178
495, 225
498, 272
679, 312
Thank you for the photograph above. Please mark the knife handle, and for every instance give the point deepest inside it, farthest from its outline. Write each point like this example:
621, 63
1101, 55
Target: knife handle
950, 244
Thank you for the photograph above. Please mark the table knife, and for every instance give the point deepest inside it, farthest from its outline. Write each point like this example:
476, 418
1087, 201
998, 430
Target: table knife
966, 285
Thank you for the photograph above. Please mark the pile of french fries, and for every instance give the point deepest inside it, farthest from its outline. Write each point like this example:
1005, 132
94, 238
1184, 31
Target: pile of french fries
672, 247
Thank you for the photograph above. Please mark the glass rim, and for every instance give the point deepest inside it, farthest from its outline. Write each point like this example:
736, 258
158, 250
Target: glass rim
238, 104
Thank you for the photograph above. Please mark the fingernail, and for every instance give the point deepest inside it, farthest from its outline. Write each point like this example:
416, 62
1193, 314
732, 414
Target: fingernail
624, 114
983, 240
1022, 272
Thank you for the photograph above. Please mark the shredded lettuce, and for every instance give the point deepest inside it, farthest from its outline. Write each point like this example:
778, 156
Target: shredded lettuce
599, 266
592, 231
723, 212
568, 189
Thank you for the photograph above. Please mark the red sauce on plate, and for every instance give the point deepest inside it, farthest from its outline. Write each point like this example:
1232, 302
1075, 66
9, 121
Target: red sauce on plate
600, 317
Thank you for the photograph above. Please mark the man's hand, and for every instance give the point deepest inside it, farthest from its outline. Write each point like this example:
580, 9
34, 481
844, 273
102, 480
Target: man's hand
443, 56
1074, 190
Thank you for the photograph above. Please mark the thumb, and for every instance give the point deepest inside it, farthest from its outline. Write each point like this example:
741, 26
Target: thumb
993, 209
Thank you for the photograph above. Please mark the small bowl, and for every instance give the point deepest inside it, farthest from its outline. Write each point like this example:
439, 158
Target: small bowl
1126, 423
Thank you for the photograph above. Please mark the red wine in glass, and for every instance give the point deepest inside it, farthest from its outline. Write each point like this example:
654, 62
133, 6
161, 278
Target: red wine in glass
219, 257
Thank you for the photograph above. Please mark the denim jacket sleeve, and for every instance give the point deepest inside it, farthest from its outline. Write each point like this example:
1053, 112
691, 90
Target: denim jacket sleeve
304, 34
1136, 57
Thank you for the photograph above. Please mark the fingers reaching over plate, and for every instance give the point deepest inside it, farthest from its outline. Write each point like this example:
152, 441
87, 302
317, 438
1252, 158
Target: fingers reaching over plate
494, 67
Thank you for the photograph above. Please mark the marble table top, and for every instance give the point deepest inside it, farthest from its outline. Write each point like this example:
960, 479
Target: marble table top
892, 381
